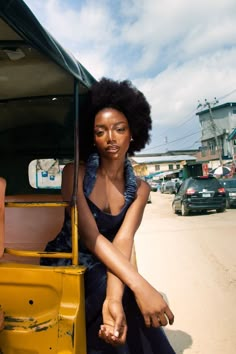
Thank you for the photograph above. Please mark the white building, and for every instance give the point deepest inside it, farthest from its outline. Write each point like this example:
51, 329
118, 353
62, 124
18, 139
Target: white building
217, 125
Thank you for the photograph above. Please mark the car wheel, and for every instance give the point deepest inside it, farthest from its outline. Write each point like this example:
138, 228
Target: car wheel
220, 210
184, 210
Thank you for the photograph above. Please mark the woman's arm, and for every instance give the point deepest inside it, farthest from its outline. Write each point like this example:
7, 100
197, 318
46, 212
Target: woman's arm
113, 258
124, 239
115, 327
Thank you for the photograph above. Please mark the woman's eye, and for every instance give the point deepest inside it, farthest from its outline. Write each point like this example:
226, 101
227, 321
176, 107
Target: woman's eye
99, 132
120, 129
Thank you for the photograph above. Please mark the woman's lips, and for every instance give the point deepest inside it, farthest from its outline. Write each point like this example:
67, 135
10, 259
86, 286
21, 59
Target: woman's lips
112, 148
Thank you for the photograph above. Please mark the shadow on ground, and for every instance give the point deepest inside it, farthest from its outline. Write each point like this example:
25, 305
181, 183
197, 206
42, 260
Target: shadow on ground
179, 340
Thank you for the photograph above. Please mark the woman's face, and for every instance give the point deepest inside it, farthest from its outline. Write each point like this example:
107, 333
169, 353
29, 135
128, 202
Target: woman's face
111, 133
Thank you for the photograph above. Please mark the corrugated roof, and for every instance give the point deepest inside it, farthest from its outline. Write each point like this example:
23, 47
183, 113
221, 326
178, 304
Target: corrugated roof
161, 159
214, 108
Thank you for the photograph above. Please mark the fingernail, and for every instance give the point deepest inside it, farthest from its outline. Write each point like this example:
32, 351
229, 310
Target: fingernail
116, 334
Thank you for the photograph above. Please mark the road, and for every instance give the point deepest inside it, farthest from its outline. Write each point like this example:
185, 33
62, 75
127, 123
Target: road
192, 262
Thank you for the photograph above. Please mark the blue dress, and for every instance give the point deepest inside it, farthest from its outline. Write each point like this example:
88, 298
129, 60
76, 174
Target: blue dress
140, 340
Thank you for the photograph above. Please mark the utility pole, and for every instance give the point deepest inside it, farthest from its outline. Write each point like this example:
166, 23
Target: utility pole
213, 125
166, 142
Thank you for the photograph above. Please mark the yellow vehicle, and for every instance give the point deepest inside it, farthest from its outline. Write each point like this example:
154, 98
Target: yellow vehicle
43, 92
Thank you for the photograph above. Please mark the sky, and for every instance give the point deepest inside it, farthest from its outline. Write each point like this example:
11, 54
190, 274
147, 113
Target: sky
179, 53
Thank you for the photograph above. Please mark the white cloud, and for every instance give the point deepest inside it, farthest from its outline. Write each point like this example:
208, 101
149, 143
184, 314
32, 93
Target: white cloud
176, 51
178, 30
174, 93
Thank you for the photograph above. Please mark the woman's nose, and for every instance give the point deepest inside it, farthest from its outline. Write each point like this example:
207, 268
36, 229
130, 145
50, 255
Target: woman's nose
110, 136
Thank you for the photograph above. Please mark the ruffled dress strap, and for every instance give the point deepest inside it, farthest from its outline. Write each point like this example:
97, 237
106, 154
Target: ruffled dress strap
91, 174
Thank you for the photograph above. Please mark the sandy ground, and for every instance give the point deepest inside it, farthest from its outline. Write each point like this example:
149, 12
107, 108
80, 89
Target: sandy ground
192, 261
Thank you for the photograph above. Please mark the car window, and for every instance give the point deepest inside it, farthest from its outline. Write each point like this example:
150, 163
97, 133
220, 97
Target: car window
230, 183
199, 184
170, 183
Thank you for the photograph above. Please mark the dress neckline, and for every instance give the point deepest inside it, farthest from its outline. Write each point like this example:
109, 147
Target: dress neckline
91, 174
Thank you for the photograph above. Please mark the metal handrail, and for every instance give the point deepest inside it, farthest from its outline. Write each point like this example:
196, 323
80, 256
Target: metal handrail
42, 254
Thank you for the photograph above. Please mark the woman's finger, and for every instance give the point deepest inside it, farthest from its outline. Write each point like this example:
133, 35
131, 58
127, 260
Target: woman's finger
170, 315
156, 322
147, 320
163, 320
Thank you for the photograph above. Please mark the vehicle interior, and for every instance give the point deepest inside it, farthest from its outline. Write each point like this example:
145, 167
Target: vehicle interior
43, 96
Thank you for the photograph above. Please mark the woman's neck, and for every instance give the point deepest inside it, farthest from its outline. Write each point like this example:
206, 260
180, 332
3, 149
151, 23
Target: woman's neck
112, 169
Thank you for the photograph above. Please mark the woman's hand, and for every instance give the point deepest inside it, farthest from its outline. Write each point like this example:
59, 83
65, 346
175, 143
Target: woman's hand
114, 327
154, 308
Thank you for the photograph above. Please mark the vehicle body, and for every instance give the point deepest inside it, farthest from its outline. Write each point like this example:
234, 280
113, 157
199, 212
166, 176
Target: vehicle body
43, 92
168, 187
154, 186
199, 194
230, 187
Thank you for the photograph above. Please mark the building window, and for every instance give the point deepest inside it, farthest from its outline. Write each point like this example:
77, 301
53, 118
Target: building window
171, 166
157, 167
212, 147
178, 166
204, 149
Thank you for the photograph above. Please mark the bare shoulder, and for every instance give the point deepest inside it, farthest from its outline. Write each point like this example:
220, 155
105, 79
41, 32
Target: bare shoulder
143, 186
69, 169
68, 173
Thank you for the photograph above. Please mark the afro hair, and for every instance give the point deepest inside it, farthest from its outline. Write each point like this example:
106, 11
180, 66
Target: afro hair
126, 98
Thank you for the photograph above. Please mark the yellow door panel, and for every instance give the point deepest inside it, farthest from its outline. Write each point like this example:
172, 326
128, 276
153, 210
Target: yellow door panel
44, 309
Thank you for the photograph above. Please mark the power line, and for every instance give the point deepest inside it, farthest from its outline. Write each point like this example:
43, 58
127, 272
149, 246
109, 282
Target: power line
181, 124
228, 94
192, 115
173, 141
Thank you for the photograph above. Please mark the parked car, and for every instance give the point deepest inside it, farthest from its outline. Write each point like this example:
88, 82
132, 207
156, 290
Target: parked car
230, 188
199, 194
168, 187
154, 186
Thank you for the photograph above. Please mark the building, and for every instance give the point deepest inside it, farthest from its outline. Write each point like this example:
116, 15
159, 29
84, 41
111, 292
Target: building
165, 164
218, 124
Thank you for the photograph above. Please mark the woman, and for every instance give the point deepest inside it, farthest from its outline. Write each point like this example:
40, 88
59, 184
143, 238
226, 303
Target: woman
124, 312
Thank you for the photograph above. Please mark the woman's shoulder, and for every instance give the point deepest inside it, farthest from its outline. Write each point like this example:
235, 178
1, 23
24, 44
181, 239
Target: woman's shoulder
69, 168
142, 186
142, 183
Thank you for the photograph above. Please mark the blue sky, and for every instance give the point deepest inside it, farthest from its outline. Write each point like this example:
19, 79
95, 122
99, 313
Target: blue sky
177, 52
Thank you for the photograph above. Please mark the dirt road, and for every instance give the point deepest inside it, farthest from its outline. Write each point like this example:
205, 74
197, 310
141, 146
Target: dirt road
192, 261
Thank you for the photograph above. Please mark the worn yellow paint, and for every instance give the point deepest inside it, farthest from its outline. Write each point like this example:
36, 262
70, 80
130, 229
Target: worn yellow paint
43, 306
44, 309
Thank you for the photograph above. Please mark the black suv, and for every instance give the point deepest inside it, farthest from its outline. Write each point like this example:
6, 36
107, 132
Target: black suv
199, 194
230, 188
